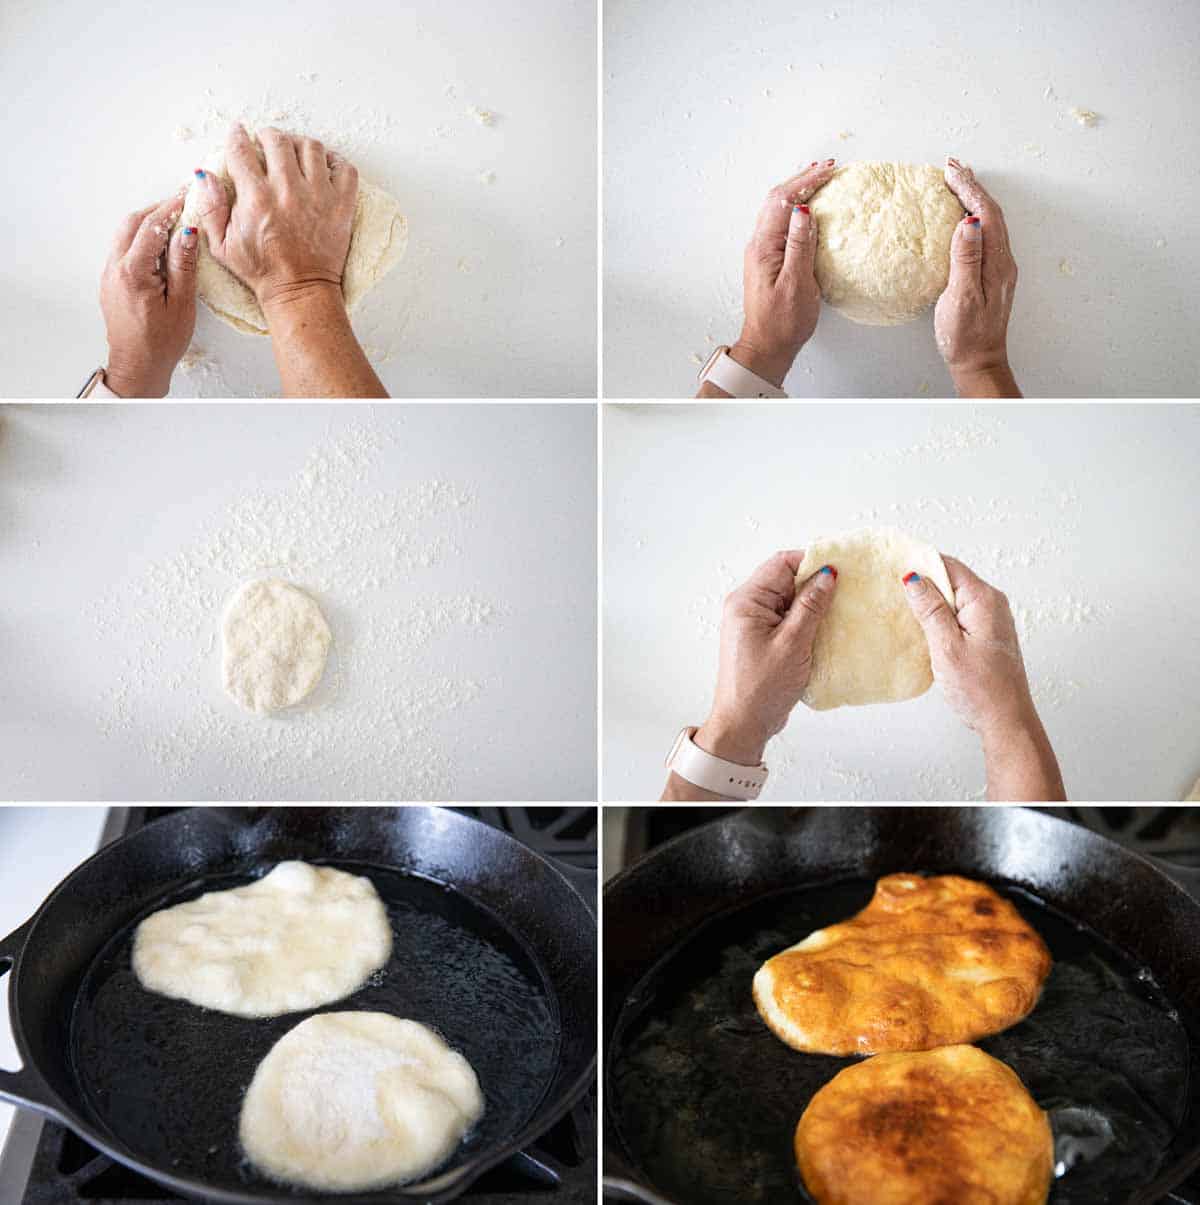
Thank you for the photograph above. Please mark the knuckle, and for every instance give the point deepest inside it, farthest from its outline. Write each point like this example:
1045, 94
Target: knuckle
779, 195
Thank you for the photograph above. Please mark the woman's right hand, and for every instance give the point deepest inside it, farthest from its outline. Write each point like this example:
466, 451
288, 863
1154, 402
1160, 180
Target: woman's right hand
970, 322
287, 233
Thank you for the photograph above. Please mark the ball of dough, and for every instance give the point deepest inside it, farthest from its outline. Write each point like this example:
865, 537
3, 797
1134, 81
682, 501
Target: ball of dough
883, 240
352, 1101
275, 642
869, 648
299, 937
378, 240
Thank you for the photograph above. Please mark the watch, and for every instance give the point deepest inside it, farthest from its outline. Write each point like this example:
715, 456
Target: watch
714, 773
95, 387
723, 371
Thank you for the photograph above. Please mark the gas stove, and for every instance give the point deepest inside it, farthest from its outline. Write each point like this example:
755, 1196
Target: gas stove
44, 1163
1171, 834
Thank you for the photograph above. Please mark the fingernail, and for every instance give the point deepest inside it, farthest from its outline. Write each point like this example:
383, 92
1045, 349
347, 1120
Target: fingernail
830, 162
814, 163
972, 229
199, 173
911, 577
971, 220
804, 209
830, 570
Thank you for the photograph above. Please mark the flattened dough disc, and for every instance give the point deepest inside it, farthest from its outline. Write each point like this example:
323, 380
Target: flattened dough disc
869, 648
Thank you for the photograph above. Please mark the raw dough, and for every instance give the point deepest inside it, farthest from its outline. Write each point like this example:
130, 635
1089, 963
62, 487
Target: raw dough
952, 1124
348, 1102
883, 231
378, 241
299, 937
869, 648
275, 641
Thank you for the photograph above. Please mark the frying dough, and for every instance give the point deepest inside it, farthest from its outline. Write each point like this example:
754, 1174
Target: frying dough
928, 962
348, 1102
378, 240
883, 240
869, 648
274, 645
952, 1124
299, 937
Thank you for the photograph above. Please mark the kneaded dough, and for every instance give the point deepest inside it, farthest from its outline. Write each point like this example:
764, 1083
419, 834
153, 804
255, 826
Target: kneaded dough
883, 240
378, 241
869, 648
275, 641
352, 1101
299, 937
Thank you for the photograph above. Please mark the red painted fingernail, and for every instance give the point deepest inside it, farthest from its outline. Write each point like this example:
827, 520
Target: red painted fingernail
814, 163
909, 578
972, 221
189, 230
830, 162
804, 209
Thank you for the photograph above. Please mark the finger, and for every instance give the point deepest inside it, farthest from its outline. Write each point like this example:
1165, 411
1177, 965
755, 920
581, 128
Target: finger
241, 160
776, 212
801, 247
314, 163
127, 229
976, 199
182, 256
778, 574
344, 176
966, 256
280, 152
809, 607
962, 576
150, 239
209, 208
931, 611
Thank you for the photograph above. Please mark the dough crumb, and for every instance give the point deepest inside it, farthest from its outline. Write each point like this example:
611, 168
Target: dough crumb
1085, 117
1065, 268
485, 117
923, 387
697, 358
844, 134
1032, 148
308, 77
1160, 243
464, 267
182, 133
487, 177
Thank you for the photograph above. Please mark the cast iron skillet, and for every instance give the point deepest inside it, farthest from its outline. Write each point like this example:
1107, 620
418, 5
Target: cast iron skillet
697, 1088
492, 948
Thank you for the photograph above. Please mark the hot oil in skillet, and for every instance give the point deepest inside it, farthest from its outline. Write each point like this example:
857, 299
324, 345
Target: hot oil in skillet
706, 1099
167, 1078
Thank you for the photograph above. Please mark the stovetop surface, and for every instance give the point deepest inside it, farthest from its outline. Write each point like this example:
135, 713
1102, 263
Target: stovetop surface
45, 1163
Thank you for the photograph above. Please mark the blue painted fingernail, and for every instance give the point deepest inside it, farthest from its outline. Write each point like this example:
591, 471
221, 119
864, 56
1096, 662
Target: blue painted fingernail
911, 577
199, 173
189, 230
829, 569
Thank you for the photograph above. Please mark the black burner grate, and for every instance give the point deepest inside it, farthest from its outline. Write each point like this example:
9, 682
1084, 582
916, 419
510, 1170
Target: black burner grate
65, 1170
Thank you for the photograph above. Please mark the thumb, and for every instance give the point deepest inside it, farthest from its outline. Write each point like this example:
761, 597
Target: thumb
966, 255
932, 612
208, 207
182, 255
809, 607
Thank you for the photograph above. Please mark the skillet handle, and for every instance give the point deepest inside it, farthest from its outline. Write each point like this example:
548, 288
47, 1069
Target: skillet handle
25, 1087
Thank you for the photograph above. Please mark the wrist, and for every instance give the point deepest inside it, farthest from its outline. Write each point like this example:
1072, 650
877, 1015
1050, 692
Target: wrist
772, 364
299, 294
1003, 731
732, 741
130, 380
986, 379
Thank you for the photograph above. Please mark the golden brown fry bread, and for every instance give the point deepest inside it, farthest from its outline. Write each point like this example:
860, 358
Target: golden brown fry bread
928, 962
942, 1127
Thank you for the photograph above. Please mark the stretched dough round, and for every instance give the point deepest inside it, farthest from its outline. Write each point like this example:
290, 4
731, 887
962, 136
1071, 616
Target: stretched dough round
275, 641
883, 240
869, 648
299, 937
378, 240
352, 1101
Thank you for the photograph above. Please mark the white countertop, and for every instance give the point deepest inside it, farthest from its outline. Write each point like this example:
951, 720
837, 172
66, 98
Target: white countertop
452, 549
497, 294
1083, 514
707, 105
41, 847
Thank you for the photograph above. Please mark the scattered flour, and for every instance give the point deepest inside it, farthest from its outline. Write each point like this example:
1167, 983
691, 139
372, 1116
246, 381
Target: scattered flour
373, 728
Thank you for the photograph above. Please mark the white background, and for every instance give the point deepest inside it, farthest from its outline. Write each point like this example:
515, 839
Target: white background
706, 105
41, 847
497, 295
105, 508
1085, 515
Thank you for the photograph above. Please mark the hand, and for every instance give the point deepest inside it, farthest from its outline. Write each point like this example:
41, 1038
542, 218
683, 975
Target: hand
970, 321
767, 634
782, 300
148, 300
287, 233
975, 654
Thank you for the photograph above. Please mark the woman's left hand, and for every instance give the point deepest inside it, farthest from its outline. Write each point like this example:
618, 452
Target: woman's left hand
148, 298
